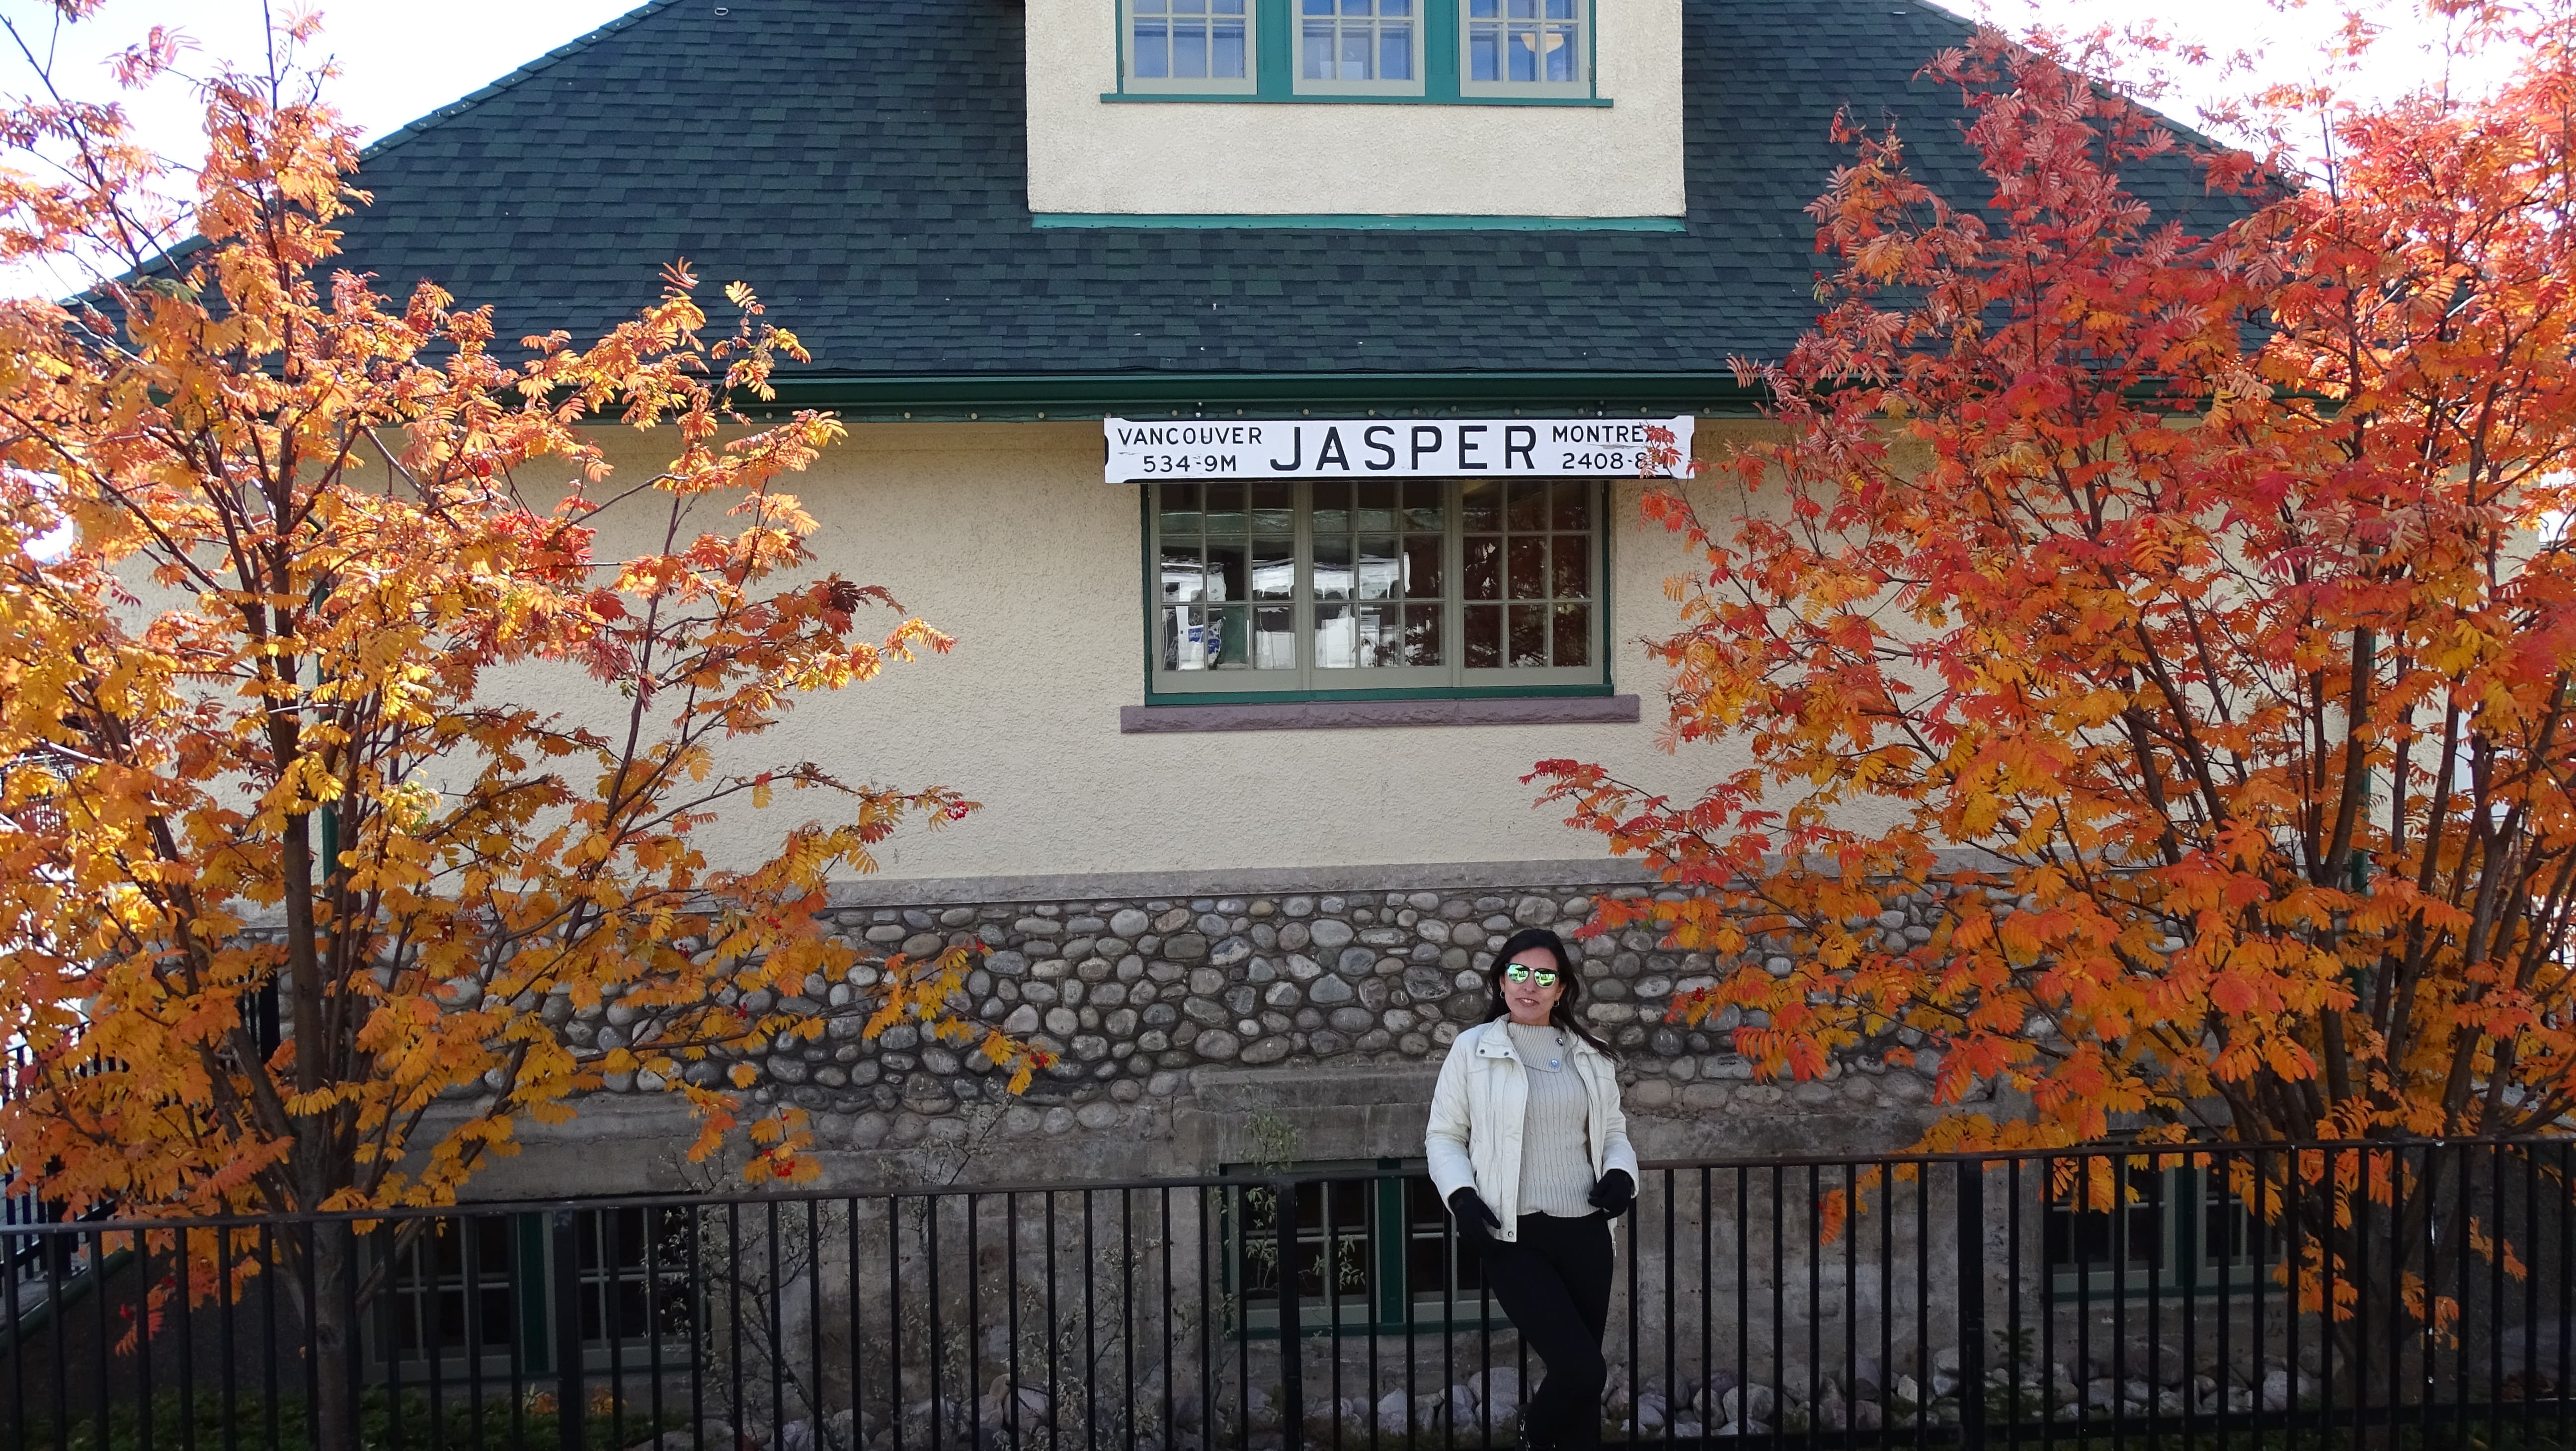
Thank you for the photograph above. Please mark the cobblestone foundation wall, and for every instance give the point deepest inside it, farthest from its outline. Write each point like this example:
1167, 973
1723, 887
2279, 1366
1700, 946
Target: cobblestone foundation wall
1140, 996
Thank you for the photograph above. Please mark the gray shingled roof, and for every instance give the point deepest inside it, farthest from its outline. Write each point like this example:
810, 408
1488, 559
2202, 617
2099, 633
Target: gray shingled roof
864, 165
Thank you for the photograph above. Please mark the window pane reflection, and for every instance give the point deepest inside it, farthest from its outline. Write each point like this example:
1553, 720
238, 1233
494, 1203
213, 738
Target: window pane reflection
1484, 637
1480, 505
1332, 568
1274, 638
1572, 641
1422, 634
1572, 577
1274, 508
1528, 569
1381, 571
1422, 504
1484, 567
1377, 502
1422, 560
1336, 637
1274, 570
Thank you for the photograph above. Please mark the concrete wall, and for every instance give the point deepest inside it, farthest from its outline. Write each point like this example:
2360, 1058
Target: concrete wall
1087, 155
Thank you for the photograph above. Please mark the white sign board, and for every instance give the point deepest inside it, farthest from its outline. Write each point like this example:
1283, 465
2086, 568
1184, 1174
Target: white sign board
1323, 448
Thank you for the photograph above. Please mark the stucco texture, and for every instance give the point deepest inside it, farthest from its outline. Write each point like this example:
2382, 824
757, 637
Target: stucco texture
1272, 159
1003, 536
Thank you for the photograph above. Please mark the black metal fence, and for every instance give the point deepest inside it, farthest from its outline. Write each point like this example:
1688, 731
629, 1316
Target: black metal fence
2387, 1294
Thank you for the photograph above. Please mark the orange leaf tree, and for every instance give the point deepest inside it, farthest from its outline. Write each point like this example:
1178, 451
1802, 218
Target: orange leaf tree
2187, 617
302, 906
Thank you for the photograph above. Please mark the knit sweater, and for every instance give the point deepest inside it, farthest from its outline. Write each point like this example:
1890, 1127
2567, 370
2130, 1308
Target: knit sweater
1556, 1157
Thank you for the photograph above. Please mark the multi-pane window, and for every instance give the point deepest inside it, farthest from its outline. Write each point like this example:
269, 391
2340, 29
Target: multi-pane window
1379, 584
1379, 549
1358, 45
476, 1293
455, 1292
1441, 51
2166, 1230
1190, 44
1526, 46
1372, 1252
1229, 576
631, 1270
1529, 580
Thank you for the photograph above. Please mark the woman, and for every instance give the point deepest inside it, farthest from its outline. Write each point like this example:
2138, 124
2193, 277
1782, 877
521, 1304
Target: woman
1529, 1148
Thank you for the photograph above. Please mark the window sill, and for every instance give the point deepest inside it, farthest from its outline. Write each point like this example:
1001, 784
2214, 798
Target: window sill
1314, 715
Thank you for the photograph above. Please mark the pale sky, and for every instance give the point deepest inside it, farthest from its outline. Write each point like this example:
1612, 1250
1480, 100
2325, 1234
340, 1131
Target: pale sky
402, 58
399, 59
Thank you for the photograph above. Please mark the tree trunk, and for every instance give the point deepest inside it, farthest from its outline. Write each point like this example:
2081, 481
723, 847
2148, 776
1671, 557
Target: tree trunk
328, 1284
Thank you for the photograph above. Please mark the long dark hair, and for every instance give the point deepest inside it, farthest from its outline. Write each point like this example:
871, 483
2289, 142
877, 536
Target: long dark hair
1569, 996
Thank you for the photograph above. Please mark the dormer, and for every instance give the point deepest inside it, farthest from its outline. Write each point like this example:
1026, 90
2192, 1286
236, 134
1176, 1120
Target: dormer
1394, 113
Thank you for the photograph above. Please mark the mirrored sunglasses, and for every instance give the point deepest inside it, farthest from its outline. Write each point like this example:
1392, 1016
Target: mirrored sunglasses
1543, 976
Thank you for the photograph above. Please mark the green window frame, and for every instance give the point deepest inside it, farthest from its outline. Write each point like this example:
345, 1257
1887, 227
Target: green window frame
1444, 36
1394, 1265
1359, 589
2179, 1229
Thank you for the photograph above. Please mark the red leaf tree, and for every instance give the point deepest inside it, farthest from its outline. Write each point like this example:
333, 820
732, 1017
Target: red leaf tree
2187, 617
282, 564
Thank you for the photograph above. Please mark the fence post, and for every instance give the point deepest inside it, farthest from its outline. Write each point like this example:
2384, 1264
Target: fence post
1972, 1304
1292, 1345
570, 1410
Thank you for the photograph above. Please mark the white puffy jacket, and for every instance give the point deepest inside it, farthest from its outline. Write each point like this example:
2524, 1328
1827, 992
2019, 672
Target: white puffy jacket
1479, 1105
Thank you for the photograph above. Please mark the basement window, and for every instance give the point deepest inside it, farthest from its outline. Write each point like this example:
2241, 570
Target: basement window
2170, 1230
1374, 1252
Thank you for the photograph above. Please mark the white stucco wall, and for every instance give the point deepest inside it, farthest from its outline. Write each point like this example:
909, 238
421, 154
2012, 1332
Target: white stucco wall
1091, 156
1004, 536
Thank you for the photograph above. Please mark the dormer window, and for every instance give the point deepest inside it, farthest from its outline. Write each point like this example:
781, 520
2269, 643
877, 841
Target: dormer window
1192, 46
1359, 47
1525, 48
1479, 52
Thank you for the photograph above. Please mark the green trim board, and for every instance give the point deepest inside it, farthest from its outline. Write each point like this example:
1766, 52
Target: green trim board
1073, 397
1443, 80
1255, 98
1354, 222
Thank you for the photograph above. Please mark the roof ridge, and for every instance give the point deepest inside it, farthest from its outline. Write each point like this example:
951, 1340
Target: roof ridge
467, 102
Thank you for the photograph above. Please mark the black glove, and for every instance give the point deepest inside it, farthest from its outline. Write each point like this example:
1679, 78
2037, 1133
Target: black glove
1476, 1223
1615, 1194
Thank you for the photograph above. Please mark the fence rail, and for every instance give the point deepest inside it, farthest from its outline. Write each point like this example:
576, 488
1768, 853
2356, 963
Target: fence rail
2394, 1294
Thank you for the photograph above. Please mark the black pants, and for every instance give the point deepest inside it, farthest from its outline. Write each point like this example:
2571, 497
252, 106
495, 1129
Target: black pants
1555, 1284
